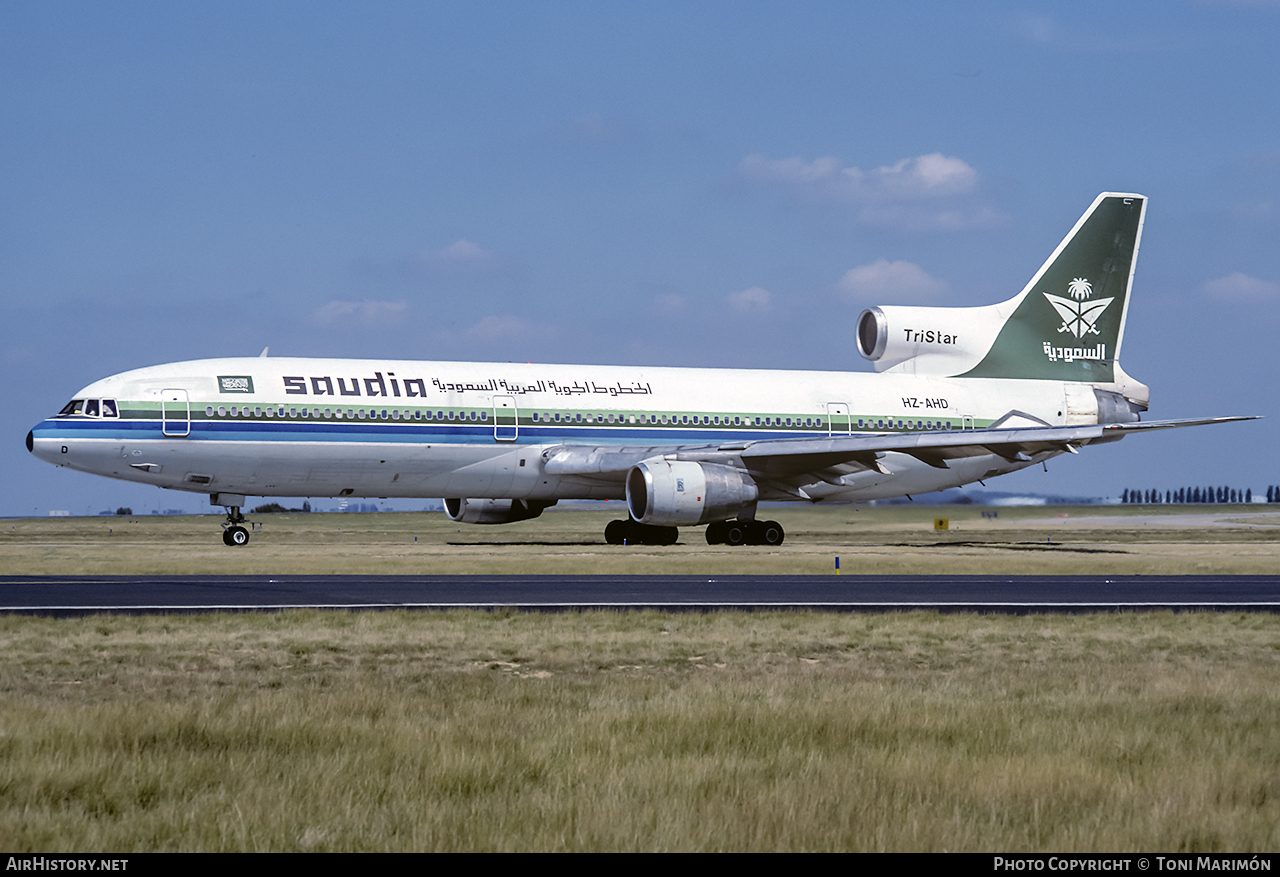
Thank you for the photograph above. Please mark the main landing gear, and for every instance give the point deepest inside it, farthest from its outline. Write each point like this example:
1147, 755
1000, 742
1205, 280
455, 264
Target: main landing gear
745, 533
233, 533
629, 532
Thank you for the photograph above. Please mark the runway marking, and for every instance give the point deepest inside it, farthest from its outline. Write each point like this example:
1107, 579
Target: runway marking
644, 604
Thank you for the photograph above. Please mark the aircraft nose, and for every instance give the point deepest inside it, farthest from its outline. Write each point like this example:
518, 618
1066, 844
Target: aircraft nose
31, 440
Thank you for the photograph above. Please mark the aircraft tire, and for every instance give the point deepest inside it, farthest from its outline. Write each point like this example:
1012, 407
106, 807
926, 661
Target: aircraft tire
236, 536
615, 532
735, 533
715, 532
226, 539
771, 533
663, 536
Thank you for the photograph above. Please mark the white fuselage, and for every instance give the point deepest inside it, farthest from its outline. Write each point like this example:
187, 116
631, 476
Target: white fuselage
332, 427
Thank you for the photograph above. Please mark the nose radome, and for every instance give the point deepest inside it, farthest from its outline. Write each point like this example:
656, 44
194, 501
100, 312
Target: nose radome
31, 440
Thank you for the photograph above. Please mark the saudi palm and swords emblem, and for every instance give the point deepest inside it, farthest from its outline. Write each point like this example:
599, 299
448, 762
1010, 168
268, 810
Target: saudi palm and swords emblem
1079, 315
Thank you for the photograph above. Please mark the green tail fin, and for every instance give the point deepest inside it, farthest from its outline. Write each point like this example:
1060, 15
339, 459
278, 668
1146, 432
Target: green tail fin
1068, 323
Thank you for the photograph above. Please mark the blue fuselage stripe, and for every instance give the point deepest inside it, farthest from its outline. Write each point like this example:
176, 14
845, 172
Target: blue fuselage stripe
414, 433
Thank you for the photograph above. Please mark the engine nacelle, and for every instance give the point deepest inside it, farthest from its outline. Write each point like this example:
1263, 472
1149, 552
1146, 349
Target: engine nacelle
494, 511
668, 493
937, 341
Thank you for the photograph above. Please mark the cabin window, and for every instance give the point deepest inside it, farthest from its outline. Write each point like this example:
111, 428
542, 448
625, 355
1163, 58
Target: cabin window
484, 415
222, 411
208, 412
385, 414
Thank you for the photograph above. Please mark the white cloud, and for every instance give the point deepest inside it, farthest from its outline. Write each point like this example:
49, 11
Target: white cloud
794, 170
753, 299
496, 328
364, 311
885, 282
1241, 287
927, 176
462, 251
914, 193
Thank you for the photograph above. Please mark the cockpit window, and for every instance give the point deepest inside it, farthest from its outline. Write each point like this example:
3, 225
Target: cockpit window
90, 408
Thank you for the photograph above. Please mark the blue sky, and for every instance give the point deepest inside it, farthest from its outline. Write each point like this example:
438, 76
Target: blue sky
692, 184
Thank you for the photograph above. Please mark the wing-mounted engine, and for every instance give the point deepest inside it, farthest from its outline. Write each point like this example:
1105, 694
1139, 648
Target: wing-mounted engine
932, 341
674, 492
494, 511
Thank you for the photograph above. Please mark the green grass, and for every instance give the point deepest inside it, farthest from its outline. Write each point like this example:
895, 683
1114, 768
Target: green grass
619, 731
884, 540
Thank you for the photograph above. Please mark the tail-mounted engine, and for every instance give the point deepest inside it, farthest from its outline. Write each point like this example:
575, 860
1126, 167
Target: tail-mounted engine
940, 341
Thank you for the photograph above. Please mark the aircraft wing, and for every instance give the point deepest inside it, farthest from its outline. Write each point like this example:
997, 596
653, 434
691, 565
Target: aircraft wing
786, 463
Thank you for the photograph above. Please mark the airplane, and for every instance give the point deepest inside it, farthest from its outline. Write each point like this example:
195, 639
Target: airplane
958, 395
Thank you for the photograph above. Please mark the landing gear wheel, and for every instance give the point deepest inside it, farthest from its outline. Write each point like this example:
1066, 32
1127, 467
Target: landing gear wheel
631, 532
735, 533
715, 532
615, 532
771, 533
235, 536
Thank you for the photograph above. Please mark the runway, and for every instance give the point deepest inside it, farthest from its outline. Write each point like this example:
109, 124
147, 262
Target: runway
84, 595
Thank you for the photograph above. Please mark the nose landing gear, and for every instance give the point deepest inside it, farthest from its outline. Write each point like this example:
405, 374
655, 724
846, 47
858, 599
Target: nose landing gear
233, 532
235, 535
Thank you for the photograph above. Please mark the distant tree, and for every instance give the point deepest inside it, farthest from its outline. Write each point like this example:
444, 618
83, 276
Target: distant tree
124, 511
1248, 494
306, 505
270, 508
1124, 498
